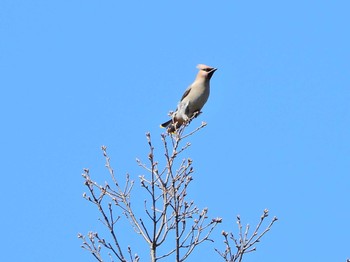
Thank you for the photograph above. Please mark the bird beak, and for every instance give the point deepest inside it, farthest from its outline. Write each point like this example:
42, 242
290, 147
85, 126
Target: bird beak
213, 70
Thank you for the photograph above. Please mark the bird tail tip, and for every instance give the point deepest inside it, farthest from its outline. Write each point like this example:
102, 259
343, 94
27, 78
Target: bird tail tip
166, 124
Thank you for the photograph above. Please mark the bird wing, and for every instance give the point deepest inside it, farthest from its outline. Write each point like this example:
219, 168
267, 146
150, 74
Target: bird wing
188, 90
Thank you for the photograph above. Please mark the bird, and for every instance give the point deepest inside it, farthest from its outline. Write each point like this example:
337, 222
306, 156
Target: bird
193, 100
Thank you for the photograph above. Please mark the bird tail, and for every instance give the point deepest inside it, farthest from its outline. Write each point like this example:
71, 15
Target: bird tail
171, 126
166, 124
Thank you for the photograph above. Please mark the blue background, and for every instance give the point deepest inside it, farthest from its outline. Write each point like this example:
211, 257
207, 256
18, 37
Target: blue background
75, 75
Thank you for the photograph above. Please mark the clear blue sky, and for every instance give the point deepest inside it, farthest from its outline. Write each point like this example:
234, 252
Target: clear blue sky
75, 75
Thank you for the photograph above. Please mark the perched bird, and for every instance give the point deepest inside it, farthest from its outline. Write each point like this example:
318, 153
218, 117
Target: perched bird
192, 101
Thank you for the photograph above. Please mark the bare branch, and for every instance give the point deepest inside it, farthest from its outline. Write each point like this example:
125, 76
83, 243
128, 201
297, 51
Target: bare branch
168, 216
245, 244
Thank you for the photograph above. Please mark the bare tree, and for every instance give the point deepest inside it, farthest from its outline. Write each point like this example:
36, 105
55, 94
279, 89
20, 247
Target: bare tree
168, 216
245, 243
166, 209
